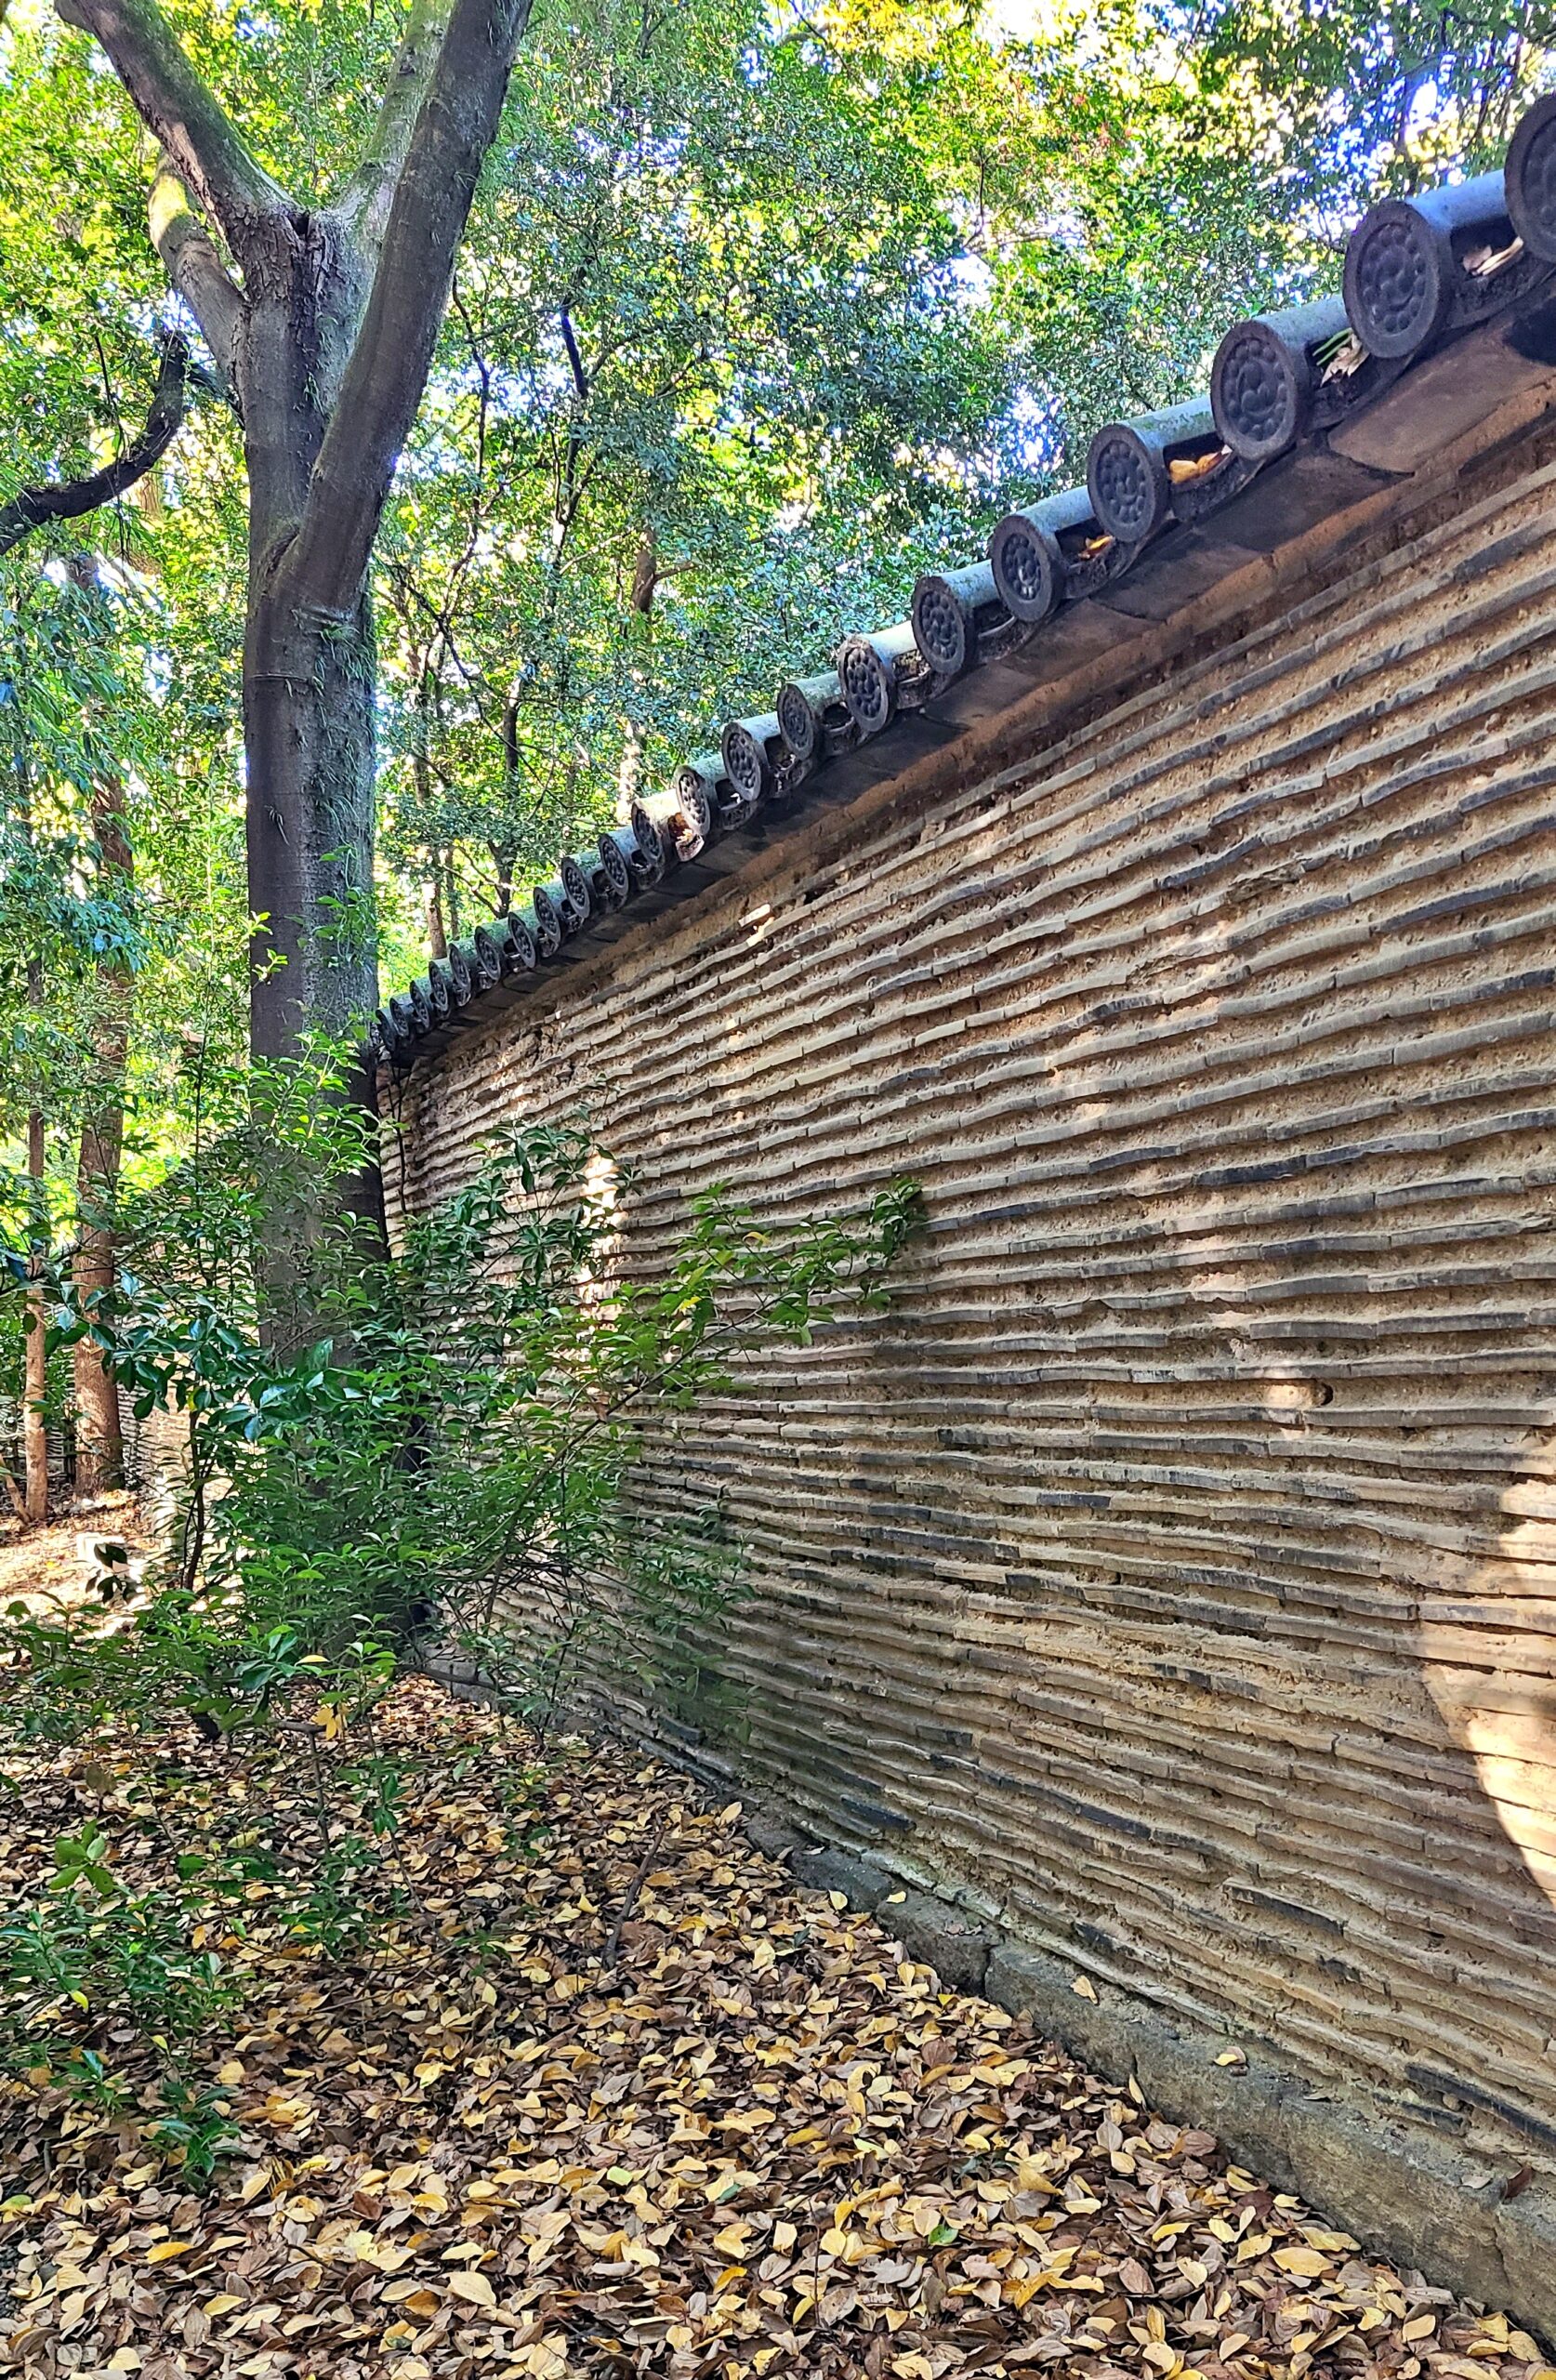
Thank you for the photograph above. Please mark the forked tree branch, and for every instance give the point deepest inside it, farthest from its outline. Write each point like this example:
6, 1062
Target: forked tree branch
456, 126
68, 499
183, 114
366, 198
196, 272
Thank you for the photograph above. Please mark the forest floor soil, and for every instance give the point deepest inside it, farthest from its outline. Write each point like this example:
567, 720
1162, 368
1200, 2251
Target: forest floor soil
602, 2092
56, 1564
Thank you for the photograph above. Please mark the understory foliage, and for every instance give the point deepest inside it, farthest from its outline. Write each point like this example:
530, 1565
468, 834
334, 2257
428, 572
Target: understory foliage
432, 1446
437, 1438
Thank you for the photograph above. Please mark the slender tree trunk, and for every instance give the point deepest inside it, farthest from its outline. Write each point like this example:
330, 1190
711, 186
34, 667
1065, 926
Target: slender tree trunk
421, 776
14, 1496
34, 1433
639, 633
436, 940
505, 855
100, 1460
34, 1364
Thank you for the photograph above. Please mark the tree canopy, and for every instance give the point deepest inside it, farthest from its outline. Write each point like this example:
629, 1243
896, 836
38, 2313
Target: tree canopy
759, 309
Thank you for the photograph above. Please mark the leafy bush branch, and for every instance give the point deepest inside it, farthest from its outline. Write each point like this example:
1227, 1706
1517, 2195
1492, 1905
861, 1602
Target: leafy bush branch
382, 1449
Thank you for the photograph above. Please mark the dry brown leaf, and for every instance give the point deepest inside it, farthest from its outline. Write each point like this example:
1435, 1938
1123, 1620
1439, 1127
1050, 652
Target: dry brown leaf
1303, 2260
761, 2145
473, 2287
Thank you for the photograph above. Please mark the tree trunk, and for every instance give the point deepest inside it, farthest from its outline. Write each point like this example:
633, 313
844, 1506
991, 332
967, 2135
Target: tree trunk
308, 684
34, 1362
325, 340
505, 855
14, 1496
309, 736
640, 632
309, 675
34, 1434
436, 940
100, 1460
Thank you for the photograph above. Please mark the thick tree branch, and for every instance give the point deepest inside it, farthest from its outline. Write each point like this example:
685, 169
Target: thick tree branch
68, 499
365, 200
580, 377
196, 272
186, 118
382, 389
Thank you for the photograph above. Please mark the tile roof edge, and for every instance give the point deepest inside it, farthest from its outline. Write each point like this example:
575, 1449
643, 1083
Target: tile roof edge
1292, 387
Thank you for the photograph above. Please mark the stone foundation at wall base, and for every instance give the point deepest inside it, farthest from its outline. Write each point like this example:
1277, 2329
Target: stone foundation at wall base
1411, 2197
1415, 2199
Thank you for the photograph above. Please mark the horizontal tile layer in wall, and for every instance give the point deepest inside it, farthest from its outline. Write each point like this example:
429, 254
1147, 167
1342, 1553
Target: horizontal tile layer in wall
1174, 1567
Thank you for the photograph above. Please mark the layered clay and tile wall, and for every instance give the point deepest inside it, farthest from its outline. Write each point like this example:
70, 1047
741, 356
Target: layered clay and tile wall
1173, 1570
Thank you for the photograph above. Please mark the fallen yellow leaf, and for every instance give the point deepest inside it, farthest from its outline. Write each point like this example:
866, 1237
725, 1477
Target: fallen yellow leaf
473, 2287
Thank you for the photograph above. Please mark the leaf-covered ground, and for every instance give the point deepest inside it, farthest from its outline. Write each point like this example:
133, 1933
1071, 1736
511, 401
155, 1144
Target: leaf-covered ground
763, 2144
43, 1566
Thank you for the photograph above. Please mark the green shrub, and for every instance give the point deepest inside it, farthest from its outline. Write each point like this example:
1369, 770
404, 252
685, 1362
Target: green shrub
380, 1448
436, 1440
